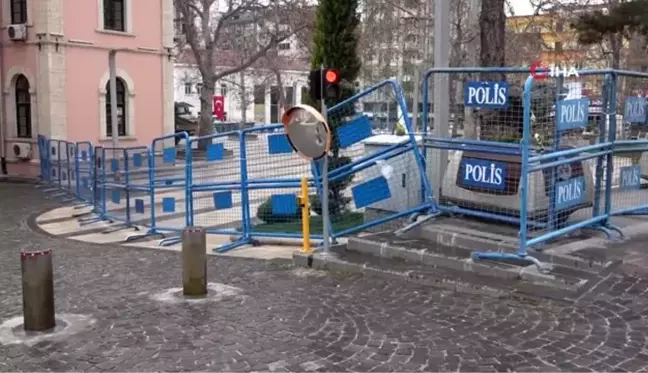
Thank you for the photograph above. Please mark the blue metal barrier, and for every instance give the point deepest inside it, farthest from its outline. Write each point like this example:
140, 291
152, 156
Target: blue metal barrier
167, 188
570, 164
84, 171
43, 156
217, 187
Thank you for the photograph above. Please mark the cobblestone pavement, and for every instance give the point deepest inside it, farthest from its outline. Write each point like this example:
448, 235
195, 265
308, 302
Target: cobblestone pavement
287, 319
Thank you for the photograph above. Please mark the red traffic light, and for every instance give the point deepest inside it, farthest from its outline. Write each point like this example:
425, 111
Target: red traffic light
332, 76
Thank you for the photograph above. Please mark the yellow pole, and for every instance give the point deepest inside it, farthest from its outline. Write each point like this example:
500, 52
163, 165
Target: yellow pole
305, 206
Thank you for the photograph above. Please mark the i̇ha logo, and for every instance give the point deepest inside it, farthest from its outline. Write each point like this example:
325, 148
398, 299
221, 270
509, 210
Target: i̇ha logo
552, 71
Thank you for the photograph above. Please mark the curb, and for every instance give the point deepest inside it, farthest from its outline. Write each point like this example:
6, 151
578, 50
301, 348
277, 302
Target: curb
19, 179
459, 264
559, 255
315, 261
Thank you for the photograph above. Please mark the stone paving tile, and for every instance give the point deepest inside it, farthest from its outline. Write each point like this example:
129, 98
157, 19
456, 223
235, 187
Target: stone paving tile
288, 319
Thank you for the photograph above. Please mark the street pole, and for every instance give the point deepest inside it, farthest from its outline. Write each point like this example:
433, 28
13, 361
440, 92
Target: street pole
112, 65
114, 126
472, 55
439, 158
426, 55
325, 181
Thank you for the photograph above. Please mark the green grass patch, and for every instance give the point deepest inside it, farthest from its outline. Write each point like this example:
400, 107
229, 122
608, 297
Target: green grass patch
340, 223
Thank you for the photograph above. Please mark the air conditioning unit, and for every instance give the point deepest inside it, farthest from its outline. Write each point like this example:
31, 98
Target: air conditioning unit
22, 150
17, 32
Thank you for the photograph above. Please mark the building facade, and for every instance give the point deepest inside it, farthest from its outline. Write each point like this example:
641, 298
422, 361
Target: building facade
55, 77
251, 95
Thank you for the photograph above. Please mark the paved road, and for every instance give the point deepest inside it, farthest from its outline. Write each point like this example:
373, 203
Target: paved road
285, 319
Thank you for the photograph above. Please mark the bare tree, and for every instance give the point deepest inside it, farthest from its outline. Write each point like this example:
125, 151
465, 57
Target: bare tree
248, 26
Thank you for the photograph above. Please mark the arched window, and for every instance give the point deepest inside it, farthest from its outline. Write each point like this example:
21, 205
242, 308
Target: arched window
121, 109
23, 107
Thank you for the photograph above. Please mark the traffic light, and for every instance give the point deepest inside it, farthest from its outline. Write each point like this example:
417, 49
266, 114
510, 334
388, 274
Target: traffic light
324, 81
331, 83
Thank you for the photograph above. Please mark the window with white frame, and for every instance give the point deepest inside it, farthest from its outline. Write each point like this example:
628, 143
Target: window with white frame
115, 16
223, 90
23, 107
198, 88
125, 108
188, 88
18, 11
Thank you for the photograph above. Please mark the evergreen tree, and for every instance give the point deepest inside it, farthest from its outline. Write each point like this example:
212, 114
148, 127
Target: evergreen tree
622, 19
335, 44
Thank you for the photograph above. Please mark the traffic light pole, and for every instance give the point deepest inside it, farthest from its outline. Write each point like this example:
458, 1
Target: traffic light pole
325, 182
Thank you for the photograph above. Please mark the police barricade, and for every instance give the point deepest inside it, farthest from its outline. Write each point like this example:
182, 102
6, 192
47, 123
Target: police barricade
97, 188
270, 178
114, 170
54, 147
43, 157
563, 182
84, 171
168, 201
216, 180
481, 141
137, 189
60, 164
626, 193
69, 172
374, 177
515, 147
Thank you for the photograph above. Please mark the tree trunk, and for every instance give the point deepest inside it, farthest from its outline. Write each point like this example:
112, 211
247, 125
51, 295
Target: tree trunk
492, 26
206, 124
470, 119
244, 103
281, 93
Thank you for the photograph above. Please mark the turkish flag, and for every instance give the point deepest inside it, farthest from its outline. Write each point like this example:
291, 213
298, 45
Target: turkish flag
218, 103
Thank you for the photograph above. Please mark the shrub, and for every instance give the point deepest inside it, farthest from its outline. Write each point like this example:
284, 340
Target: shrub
338, 203
266, 214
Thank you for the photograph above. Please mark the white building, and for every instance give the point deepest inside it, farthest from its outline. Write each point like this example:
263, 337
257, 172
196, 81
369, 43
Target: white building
251, 95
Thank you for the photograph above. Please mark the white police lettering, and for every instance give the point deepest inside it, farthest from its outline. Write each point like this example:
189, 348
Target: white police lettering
630, 176
486, 96
569, 192
484, 174
636, 109
574, 112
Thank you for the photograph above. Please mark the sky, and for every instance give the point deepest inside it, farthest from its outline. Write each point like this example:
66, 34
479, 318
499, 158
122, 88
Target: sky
521, 7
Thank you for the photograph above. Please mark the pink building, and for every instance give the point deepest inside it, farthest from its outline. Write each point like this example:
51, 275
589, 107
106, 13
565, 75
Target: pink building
54, 73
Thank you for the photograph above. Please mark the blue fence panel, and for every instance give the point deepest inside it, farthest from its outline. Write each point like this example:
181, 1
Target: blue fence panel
55, 170
374, 176
168, 193
84, 168
271, 169
114, 173
99, 192
43, 156
627, 191
137, 184
482, 141
218, 200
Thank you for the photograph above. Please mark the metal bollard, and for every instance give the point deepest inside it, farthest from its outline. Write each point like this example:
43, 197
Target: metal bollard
194, 262
38, 290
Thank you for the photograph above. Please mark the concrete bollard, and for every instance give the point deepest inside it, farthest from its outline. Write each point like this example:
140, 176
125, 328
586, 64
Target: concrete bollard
38, 290
194, 262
